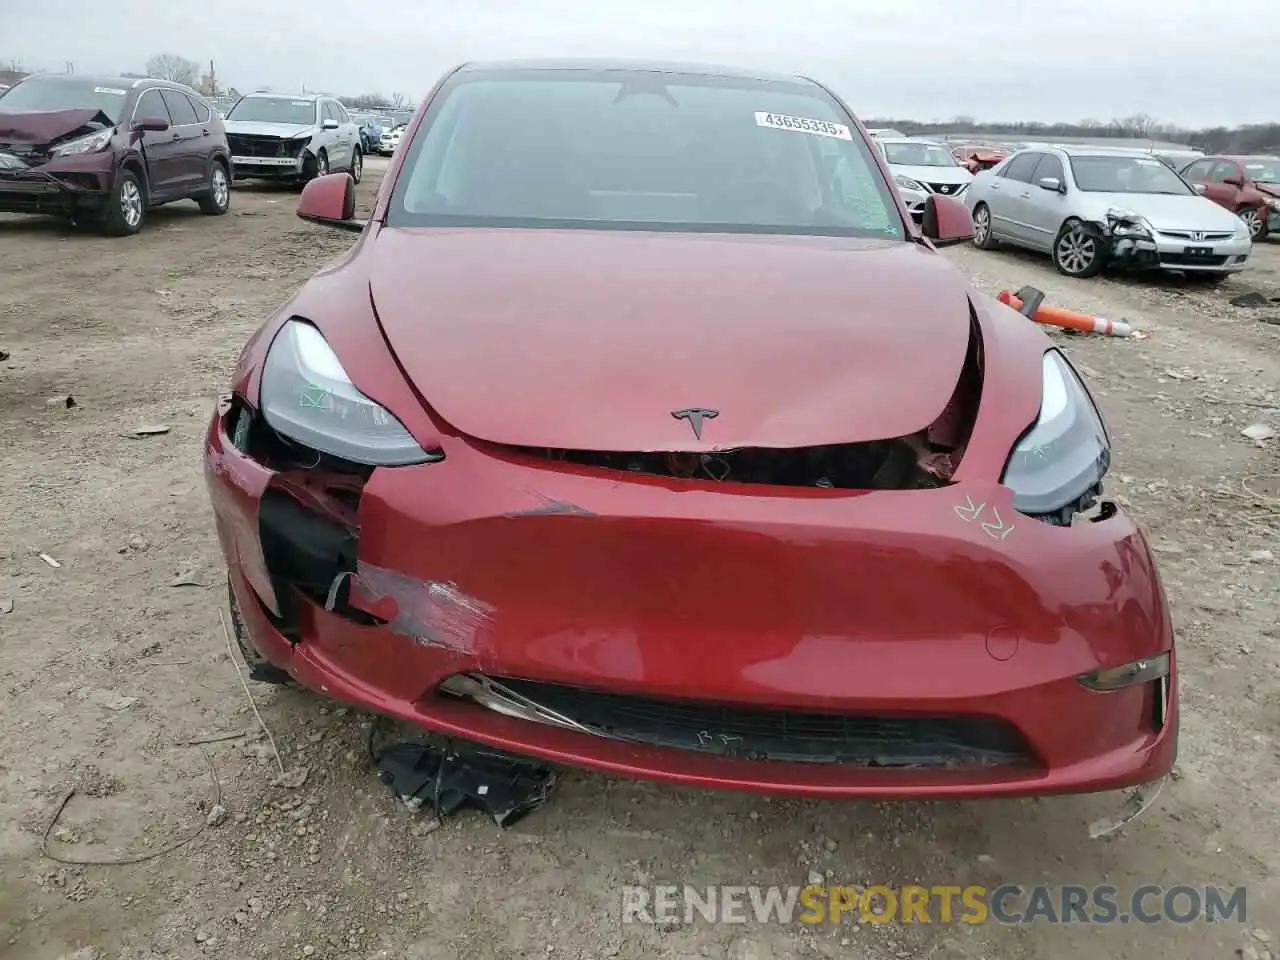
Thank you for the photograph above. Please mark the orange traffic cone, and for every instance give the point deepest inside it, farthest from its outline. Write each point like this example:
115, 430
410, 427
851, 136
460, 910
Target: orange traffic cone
1029, 301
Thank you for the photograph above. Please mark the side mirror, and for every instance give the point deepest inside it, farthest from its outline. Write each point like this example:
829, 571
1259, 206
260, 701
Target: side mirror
1052, 184
1199, 188
946, 221
331, 200
150, 125
1233, 181
329, 124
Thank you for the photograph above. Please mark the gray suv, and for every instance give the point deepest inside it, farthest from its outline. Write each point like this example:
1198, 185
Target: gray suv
292, 138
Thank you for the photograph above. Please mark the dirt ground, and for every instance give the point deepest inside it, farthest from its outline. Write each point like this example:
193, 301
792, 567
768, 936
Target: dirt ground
108, 670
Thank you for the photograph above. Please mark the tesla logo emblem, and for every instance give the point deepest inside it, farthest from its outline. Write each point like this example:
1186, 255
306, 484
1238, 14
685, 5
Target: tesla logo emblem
695, 416
1197, 235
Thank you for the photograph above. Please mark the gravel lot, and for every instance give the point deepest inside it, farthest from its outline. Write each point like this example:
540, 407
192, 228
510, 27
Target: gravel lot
107, 670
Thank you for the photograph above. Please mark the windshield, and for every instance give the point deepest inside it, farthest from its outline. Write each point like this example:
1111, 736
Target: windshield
275, 110
40, 93
918, 155
618, 149
1126, 175
1264, 171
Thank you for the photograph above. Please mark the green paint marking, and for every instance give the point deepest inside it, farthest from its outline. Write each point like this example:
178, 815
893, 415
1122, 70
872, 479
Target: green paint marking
313, 398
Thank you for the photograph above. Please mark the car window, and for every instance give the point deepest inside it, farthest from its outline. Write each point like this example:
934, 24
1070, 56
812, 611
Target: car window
203, 113
908, 153
611, 149
179, 107
1198, 170
1022, 167
1264, 171
275, 110
60, 93
343, 116
151, 106
1223, 169
1049, 166
1110, 173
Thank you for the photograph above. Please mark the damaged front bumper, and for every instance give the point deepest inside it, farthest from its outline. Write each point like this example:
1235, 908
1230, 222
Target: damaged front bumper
61, 186
1183, 252
877, 644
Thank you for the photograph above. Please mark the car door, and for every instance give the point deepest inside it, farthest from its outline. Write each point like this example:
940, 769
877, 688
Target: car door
187, 133
1040, 210
350, 131
204, 120
161, 149
339, 150
1005, 194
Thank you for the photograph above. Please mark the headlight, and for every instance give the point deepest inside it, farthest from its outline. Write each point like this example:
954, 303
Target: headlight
1126, 223
1117, 678
1274, 205
1066, 454
308, 397
906, 183
93, 143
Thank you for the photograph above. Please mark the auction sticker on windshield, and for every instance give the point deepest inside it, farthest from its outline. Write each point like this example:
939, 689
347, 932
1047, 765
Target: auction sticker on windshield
111, 90
821, 128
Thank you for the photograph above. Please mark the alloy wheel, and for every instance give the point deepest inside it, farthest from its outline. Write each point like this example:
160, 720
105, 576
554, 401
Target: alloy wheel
1077, 251
221, 189
981, 225
131, 203
1252, 220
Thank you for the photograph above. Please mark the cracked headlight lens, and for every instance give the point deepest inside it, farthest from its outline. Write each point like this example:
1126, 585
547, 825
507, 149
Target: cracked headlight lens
308, 397
94, 143
1065, 455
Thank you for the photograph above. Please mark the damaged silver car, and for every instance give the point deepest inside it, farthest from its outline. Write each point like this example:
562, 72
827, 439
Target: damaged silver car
1091, 209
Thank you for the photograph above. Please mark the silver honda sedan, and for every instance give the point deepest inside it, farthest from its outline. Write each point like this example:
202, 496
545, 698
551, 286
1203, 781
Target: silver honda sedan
1092, 208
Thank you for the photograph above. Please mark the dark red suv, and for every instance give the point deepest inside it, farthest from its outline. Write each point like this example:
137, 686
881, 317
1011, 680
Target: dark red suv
1244, 185
105, 149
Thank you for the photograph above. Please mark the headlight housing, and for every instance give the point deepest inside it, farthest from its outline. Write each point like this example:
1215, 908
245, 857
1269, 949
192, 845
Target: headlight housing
906, 183
93, 143
1126, 223
1274, 204
308, 397
1062, 459
1127, 675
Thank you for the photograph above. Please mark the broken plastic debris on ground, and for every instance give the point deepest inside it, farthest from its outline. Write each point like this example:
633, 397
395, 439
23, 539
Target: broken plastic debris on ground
443, 780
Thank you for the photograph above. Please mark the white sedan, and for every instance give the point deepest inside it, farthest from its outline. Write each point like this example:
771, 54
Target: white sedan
1092, 208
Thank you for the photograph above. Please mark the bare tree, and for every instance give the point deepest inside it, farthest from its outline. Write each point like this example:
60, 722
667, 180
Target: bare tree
170, 66
397, 99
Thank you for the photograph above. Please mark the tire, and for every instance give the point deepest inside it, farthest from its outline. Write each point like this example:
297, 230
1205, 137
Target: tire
357, 165
260, 668
216, 200
1078, 250
982, 238
322, 164
126, 207
1256, 221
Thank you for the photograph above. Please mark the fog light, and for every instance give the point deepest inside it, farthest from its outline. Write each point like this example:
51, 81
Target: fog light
1117, 678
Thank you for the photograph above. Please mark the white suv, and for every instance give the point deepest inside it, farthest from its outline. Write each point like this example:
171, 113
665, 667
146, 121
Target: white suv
277, 137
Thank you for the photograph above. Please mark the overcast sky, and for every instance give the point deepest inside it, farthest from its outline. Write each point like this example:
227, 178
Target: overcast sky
1189, 62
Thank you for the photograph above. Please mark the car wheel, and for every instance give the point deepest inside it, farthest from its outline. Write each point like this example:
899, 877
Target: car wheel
1254, 220
321, 165
982, 238
1077, 250
357, 166
126, 208
260, 668
217, 199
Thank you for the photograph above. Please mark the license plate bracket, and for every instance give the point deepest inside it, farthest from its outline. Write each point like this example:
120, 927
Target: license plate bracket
1198, 252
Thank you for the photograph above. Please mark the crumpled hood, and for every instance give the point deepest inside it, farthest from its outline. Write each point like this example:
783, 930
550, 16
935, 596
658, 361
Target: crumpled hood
263, 128
44, 126
591, 339
1270, 189
1170, 211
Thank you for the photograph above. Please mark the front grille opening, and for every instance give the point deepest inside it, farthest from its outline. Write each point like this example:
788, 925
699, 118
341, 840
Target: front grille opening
769, 734
921, 460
